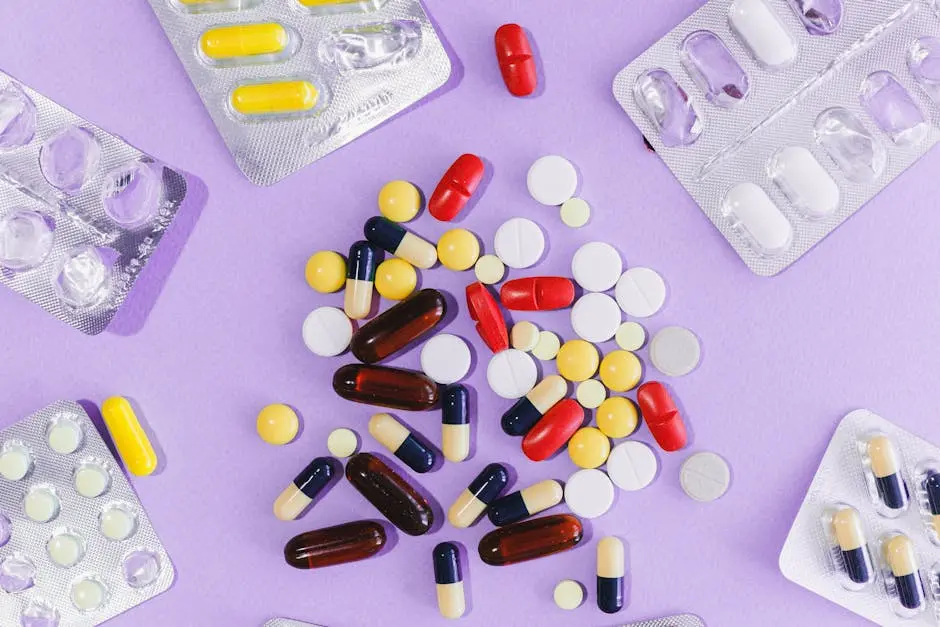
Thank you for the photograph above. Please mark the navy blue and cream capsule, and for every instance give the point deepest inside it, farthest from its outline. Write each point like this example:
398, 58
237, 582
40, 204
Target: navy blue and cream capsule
529, 409
854, 558
398, 241
482, 491
901, 560
528, 502
455, 419
449, 580
360, 277
932, 488
306, 486
398, 439
611, 568
886, 467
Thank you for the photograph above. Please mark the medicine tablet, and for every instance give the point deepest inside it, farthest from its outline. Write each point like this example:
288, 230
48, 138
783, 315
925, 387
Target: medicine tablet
511, 373
575, 213
804, 181
395, 279
326, 272
88, 594
595, 317
490, 269
524, 336
15, 461
754, 216
342, 443
631, 336
588, 448
445, 358
91, 480
399, 201
617, 417
596, 266
705, 476
577, 360
327, 331
458, 249
65, 435
675, 351
632, 466
41, 504
117, 523
568, 594
277, 424
621, 371
591, 393
641, 292
519, 242
759, 28
547, 347
65, 549
552, 180
589, 493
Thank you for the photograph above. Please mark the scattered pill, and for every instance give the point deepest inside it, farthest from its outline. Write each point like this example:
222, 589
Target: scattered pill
390, 494
589, 493
759, 28
511, 373
524, 336
705, 476
631, 336
519, 243
489, 269
547, 347
402, 443
448, 580
575, 213
399, 201
455, 419
249, 43
91, 480
117, 523
360, 276
611, 569
15, 461
596, 266
850, 537
386, 387
892, 490
88, 594
399, 326
577, 360
304, 489
568, 594
129, 437
516, 61
531, 539
349, 542
278, 98
553, 430
490, 324
552, 180
595, 317
483, 490
395, 239
632, 466
65, 549
755, 217
458, 249
661, 416
65, 435
395, 279
617, 417
529, 409
41, 504
342, 443
537, 294
530, 501
641, 292
456, 187
675, 351
591, 393
901, 560
589, 448
445, 358
277, 424
327, 331
621, 370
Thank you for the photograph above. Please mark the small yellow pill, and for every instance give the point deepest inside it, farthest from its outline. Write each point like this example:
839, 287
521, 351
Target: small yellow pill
399, 201
326, 272
395, 279
458, 249
621, 371
277, 424
546, 349
129, 436
490, 269
575, 213
524, 336
285, 97
577, 360
589, 448
631, 336
244, 40
617, 417
591, 393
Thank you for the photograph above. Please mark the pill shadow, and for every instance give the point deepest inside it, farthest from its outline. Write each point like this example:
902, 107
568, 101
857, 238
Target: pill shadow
539, 67
464, 556
472, 405
627, 573
689, 430
391, 537
587, 534
300, 424
453, 309
489, 172
424, 440
98, 420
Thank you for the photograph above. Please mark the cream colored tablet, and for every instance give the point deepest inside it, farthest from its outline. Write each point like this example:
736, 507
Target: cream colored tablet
342, 443
490, 269
524, 336
547, 347
591, 393
575, 213
630, 336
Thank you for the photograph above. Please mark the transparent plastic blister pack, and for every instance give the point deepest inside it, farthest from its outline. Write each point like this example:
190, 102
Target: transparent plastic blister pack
81, 210
781, 118
289, 81
679, 620
865, 536
288, 622
76, 545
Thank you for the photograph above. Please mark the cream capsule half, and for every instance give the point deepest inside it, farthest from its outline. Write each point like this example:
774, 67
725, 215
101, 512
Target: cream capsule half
306, 486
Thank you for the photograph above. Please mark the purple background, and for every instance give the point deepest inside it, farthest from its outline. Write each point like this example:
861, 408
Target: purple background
851, 325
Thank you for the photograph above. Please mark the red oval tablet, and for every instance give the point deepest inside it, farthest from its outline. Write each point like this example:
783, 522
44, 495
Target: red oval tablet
553, 431
457, 185
516, 61
485, 312
661, 416
543, 293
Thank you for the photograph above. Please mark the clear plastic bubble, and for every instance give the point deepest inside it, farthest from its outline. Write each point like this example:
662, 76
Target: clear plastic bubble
69, 158
141, 568
133, 193
668, 107
17, 117
66, 548
860, 155
893, 109
371, 45
924, 61
117, 521
25, 239
17, 573
84, 278
39, 613
6, 529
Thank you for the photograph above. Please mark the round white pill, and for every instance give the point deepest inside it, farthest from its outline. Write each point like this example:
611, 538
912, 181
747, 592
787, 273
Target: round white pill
519, 243
547, 347
445, 358
88, 594
91, 480
41, 504
65, 435
568, 594
511, 373
641, 292
595, 317
327, 331
342, 443
705, 476
632, 465
591, 393
65, 549
15, 462
575, 213
117, 523
489, 269
631, 336
596, 266
675, 351
552, 180
589, 493
524, 336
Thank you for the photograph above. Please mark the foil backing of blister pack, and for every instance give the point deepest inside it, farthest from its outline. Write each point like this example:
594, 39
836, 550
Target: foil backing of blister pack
267, 150
78, 217
679, 620
736, 144
287, 622
103, 558
841, 478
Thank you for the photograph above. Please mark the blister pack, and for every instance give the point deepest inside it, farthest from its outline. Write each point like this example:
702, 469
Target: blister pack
289, 81
679, 620
76, 545
287, 622
866, 536
781, 118
81, 210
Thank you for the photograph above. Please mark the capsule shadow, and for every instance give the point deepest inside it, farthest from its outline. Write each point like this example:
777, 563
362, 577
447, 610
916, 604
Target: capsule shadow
465, 571
588, 532
474, 419
453, 309
489, 171
539, 67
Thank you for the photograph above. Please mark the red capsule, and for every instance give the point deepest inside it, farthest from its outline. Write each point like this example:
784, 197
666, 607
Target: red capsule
456, 187
531, 539
485, 312
661, 416
543, 293
349, 542
516, 61
553, 431
386, 387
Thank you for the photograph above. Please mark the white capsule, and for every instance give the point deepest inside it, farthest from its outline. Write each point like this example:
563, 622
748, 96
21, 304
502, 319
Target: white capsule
755, 216
804, 181
759, 28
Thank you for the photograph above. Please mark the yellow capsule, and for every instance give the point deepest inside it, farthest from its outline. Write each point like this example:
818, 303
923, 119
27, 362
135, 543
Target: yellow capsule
617, 417
328, 3
589, 448
458, 249
326, 272
283, 97
621, 371
395, 279
129, 437
242, 41
577, 360
399, 201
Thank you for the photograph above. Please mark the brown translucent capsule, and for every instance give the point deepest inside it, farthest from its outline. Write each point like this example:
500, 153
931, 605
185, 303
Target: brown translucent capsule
394, 497
386, 387
335, 545
398, 327
529, 540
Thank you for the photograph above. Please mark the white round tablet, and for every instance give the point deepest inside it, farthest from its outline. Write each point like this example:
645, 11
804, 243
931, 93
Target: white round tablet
632, 465
631, 336
591, 393
65, 435
511, 373
445, 358
589, 493
327, 331
88, 594
705, 476
568, 594
116, 522
524, 336
489, 269
91, 480
641, 292
575, 213
547, 347
15, 461
65, 549
342, 443
41, 504
552, 180
675, 351
595, 317
596, 266
519, 243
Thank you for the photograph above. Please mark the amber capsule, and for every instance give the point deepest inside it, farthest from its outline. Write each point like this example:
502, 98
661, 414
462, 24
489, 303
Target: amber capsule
399, 326
529, 540
349, 542
386, 387
394, 497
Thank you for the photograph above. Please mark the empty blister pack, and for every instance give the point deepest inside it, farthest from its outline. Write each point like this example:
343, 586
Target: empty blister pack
865, 536
76, 545
81, 210
679, 620
287, 622
289, 81
781, 118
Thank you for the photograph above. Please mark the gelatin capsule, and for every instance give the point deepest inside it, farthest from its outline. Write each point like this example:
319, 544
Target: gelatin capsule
247, 43
804, 181
386, 387
448, 580
482, 491
399, 326
398, 439
886, 469
366, 46
661, 416
611, 569
760, 30
456, 187
853, 560
714, 69
902, 577
757, 219
529, 409
129, 437
537, 294
455, 423
397, 240
491, 325
306, 486
349, 542
389, 493
520, 505
277, 98
532, 539
932, 488
553, 431
364, 259
668, 108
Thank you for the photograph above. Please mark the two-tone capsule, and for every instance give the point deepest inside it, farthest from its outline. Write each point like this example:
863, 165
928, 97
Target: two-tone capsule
886, 468
482, 491
525, 503
341, 544
360, 277
395, 498
306, 486
455, 423
902, 580
529, 409
397, 240
553, 431
398, 439
400, 325
855, 560
386, 387
932, 488
611, 568
531, 539
449, 580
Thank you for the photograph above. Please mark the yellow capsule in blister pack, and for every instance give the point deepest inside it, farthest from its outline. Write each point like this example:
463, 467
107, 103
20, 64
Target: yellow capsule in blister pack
292, 97
206, 6
129, 436
247, 43
339, 6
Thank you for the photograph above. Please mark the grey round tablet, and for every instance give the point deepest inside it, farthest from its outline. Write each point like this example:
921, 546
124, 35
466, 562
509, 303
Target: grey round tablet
705, 476
675, 351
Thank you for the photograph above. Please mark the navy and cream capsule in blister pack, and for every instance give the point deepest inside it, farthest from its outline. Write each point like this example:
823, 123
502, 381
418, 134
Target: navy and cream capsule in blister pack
884, 474
448, 580
902, 578
304, 489
360, 276
397, 240
849, 546
483, 490
398, 439
927, 480
530, 501
455, 423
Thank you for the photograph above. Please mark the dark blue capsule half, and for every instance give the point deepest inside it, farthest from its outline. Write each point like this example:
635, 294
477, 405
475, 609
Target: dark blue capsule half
447, 563
490, 483
932, 487
316, 476
363, 261
910, 592
415, 454
892, 491
455, 406
610, 594
520, 418
384, 233
856, 565
507, 510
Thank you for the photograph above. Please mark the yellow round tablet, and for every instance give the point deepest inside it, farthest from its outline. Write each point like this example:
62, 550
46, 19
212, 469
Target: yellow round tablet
399, 201
342, 443
326, 272
577, 360
617, 417
547, 347
631, 336
458, 249
490, 269
589, 448
524, 336
591, 393
575, 213
568, 595
395, 279
277, 424
621, 371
